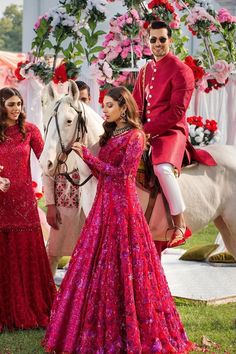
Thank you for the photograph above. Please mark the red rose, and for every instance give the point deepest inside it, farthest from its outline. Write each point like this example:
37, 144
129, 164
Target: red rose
102, 94
18, 75
60, 74
146, 24
211, 125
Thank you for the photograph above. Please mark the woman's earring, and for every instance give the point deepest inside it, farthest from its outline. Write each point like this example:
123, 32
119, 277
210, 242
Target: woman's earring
123, 116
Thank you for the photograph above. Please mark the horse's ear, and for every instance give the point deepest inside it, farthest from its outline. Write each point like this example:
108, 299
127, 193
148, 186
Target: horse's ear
73, 90
51, 91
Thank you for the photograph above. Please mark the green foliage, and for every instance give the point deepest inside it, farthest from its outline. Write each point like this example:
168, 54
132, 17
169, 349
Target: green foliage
215, 322
203, 237
178, 43
53, 37
11, 29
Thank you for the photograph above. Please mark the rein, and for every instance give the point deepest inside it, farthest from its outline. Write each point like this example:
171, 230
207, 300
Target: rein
80, 128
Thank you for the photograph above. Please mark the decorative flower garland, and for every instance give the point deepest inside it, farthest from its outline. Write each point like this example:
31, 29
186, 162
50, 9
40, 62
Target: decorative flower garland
201, 133
214, 78
72, 19
124, 45
40, 71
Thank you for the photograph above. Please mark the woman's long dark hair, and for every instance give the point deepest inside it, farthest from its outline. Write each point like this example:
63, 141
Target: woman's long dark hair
121, 95
5, 94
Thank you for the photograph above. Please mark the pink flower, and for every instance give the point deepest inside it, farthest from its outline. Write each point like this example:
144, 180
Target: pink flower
147, 51
125, 52
178, 5
37, 24
225, 16
126, 42
129, 21
135, 14
111, 55
107, 70
138, 50
118, 49
101, 55
221, 70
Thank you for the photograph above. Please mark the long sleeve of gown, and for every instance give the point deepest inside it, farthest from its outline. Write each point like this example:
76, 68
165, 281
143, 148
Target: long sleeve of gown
36, 141
129, 164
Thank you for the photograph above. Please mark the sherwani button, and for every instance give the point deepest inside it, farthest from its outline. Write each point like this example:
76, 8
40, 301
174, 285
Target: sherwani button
149, 104
150, 96
148, 112
148, 120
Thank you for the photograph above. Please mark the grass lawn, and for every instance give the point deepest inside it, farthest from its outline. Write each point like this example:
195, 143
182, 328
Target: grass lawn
218, 323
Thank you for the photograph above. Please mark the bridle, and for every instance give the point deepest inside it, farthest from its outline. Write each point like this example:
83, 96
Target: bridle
65, 151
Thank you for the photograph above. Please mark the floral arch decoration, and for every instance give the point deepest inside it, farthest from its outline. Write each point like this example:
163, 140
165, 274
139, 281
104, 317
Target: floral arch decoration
117, 60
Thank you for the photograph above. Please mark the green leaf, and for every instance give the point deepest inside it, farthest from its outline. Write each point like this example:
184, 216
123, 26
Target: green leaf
79, 47
99, 33
79, 62
85, 32
96, 49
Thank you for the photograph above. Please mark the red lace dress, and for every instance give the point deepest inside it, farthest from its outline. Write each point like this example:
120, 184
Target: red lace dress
114, 297
26, 285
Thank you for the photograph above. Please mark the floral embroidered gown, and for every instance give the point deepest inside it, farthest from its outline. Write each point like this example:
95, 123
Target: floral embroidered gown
114, 297
26, 285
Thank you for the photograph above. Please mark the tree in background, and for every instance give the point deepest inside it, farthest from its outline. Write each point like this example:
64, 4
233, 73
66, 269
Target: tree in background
11, 29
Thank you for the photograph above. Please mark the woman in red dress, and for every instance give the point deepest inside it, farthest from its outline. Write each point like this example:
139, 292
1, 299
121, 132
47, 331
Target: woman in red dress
114, 297
27, 288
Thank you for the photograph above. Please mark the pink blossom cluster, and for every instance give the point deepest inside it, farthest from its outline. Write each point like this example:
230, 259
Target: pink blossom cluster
119, 43
221, 70
219, 73
224, 16
198, 13
38, 22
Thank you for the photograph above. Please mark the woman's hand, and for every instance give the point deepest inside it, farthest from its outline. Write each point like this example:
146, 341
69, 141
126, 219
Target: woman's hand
4, 182
78, 148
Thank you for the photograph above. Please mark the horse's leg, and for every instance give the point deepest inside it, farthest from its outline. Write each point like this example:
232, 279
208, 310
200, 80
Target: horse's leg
228, 231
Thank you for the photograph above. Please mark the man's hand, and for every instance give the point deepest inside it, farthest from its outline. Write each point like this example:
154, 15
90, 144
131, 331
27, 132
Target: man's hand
53, 216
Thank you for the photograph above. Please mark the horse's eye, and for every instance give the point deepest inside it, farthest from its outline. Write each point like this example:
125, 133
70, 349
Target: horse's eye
69, 121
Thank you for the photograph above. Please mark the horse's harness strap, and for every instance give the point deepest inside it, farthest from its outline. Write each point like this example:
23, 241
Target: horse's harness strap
80, 127
68, 177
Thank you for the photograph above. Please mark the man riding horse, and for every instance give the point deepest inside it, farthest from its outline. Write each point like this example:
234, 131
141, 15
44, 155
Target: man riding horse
163, 91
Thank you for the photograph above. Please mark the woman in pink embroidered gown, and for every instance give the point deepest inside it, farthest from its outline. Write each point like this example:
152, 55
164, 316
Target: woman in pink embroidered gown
114, 297
26, 284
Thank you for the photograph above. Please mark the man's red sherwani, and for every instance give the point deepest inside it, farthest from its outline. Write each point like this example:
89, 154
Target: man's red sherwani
167, 87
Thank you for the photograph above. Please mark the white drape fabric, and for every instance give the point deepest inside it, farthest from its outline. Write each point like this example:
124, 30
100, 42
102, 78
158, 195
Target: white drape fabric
219, 105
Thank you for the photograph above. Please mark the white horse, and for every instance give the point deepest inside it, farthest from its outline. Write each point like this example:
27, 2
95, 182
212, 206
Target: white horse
68, 119
209, 192
210, 195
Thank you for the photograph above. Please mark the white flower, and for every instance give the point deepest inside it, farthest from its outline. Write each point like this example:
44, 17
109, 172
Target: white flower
198, 139
199, 130
55, 21
207, 132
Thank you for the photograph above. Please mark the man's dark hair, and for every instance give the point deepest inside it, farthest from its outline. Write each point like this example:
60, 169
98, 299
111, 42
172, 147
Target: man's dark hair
158, 25
82, 86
